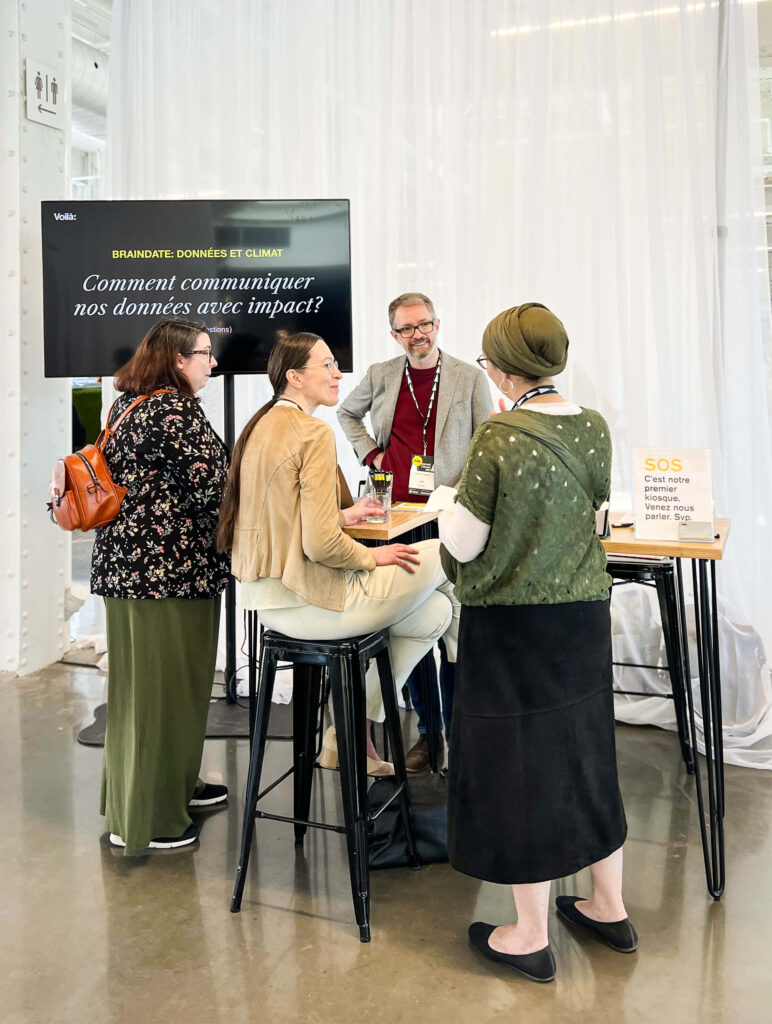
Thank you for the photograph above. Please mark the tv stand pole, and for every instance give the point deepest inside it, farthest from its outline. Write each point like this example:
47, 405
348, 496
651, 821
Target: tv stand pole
229, 431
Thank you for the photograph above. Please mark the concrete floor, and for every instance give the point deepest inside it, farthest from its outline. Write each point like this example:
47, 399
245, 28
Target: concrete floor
88, 935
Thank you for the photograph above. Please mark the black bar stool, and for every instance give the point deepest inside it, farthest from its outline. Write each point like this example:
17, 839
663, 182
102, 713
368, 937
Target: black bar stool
345, 663
662, 576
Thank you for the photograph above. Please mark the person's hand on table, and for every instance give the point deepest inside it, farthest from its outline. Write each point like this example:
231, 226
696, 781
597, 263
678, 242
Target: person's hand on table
397, 554
357, 512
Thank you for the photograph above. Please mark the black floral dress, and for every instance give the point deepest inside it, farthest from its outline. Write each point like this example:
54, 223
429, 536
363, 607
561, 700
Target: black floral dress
162, 542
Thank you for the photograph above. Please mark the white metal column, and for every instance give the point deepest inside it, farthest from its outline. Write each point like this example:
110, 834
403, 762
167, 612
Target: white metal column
35, 414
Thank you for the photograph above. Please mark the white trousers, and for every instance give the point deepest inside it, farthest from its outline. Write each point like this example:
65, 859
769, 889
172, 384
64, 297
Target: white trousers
418, 609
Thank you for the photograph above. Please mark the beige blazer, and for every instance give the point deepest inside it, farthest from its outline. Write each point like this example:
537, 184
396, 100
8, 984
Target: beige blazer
463, 403
289, 521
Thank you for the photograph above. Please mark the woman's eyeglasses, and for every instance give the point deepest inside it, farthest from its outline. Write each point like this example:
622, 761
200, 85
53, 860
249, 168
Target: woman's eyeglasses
206, 352
331, 365
482, 361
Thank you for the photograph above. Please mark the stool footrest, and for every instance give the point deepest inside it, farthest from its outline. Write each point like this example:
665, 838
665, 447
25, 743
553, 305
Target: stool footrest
397, 791
301, 821
638, 664
276, 782
643, 693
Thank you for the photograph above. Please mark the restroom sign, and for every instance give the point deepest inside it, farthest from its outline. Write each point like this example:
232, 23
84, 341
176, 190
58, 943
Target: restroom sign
45, 94
673, 494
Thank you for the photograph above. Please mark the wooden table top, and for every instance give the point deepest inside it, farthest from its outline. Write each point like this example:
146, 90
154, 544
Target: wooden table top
624, 542
621, 542
400, 521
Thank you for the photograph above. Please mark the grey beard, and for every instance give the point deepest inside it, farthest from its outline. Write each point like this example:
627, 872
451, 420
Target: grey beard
421, 358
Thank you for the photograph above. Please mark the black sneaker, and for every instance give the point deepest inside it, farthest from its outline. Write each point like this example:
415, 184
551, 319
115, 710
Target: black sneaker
210, 795
188, 837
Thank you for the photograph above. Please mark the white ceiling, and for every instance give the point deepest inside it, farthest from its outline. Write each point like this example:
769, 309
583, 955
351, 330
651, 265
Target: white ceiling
91, 21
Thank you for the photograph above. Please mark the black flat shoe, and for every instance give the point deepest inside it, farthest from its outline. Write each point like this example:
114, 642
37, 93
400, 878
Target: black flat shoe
538, 966
619, 935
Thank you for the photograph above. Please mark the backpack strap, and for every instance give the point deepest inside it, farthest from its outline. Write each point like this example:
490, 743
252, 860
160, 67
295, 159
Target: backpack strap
532, 426
108, 431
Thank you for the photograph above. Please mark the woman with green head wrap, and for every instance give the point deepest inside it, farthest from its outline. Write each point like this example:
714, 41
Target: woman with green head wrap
533, 779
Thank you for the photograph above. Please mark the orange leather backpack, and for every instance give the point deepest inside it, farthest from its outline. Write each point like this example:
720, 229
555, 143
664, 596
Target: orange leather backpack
84, 494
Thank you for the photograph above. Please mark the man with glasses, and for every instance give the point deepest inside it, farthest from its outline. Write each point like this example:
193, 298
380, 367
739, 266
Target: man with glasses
424, 407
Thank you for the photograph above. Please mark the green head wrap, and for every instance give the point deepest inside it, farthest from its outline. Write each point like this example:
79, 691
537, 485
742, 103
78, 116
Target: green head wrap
527, 341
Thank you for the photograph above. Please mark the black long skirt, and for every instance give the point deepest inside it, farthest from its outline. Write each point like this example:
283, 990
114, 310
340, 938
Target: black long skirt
533, 792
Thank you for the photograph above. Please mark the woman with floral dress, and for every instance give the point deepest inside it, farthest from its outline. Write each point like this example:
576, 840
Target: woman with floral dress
161, 578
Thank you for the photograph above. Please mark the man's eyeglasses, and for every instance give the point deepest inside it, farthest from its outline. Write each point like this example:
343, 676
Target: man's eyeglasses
482, 361
331, 365
206, 352
425, 327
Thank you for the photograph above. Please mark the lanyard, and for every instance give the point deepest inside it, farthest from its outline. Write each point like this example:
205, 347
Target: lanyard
544, 389
435, 385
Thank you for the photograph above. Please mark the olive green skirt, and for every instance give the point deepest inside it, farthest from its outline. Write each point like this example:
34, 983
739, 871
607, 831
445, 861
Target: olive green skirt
161, 666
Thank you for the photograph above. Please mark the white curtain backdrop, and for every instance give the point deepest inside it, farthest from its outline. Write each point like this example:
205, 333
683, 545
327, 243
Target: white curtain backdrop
600, 156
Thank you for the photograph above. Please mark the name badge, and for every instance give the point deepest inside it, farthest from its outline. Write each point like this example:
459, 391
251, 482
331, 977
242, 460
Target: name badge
421, 479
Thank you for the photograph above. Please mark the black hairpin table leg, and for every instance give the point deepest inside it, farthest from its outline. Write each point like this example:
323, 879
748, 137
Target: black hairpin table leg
706, 635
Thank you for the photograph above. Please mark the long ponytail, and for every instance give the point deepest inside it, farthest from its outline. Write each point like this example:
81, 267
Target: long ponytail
289, 353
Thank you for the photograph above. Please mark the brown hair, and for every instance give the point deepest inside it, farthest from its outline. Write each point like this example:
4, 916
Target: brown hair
410, 299
289, 353
153, 365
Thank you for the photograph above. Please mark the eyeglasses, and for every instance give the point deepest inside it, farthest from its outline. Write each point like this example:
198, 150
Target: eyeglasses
331, 365
425, 327
482, 361
206, 352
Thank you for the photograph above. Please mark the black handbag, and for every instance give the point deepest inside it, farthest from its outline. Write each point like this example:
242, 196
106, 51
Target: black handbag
429, 811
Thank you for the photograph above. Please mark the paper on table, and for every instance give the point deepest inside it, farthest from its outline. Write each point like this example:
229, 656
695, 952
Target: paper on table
441, 498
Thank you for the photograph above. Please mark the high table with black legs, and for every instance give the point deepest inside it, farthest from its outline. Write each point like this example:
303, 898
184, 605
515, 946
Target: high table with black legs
703, 556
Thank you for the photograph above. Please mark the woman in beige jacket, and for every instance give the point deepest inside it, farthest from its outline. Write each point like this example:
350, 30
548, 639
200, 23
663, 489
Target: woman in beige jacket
282, 516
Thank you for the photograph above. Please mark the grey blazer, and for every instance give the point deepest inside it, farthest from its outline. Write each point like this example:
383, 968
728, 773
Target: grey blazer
463, 403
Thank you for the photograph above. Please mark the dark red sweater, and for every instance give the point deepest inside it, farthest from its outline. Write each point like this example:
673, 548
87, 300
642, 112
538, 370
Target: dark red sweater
406, 438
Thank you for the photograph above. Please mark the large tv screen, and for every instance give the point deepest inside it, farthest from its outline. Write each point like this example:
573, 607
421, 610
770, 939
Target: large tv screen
245, 269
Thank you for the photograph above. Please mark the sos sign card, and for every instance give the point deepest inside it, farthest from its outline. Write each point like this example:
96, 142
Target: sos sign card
673, 494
